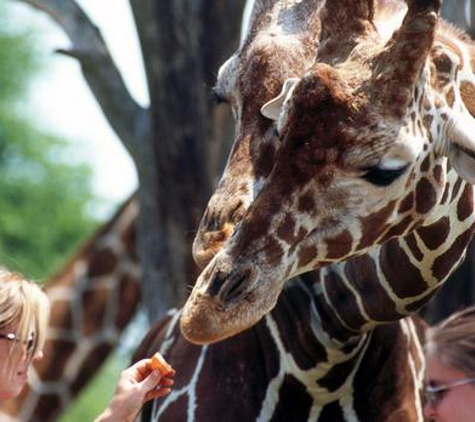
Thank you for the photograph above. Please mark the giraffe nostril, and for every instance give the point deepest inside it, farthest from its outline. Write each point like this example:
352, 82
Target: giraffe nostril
216, 283
227, 288
235, 286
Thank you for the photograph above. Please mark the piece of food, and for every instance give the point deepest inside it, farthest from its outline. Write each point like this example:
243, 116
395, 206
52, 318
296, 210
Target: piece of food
158, 362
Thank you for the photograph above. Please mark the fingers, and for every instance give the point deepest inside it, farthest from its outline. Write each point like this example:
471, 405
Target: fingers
156, 394
142, 366
151, 381
159, 389
166, 382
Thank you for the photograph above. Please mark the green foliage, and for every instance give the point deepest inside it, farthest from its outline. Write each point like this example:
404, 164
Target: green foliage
43, 197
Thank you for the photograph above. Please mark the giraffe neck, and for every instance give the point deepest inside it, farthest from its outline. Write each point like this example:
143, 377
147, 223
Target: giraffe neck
299, 372
394, 280
92, 299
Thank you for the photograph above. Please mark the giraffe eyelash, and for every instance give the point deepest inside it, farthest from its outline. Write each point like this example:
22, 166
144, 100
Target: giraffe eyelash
382, 177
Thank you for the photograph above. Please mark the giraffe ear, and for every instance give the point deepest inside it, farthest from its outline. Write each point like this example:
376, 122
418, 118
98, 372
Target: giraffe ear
273, 108
461, 148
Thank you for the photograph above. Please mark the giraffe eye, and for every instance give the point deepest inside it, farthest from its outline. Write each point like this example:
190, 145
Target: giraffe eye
382, 177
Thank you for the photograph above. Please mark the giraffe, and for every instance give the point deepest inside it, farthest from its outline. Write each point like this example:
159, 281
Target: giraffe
167, 337
93, 298
335, 344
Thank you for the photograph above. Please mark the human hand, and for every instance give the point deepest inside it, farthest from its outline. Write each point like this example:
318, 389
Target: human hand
137, 385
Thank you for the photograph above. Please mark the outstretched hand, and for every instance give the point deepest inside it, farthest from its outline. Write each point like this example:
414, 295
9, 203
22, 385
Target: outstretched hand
137, 385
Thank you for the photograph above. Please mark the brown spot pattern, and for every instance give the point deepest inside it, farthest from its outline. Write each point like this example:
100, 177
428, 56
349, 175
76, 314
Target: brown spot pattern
129, 294
428, 121
450, 97
49, 371
399, 228
425, 196
394, 263
456, 188
102, 262
273, 251
407, 203
467, 91
412, 245
445, 263
445, 195
286, 229
436, 234
61, 315
306, 254
465, 204
94, 303
372, 226
89, 366
306, 204
340, 245
425, 166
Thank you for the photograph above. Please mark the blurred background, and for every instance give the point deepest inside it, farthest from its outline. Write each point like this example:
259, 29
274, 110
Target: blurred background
62, 169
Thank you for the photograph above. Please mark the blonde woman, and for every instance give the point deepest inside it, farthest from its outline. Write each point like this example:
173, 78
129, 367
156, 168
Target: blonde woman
24, 312
450, 370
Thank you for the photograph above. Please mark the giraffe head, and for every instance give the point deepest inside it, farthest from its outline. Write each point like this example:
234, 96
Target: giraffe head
363, 141
279, 41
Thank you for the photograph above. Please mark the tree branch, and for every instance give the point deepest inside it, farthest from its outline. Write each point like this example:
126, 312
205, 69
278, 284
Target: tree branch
126, 117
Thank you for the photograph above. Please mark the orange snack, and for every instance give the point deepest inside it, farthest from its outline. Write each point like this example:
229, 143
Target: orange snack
158, 362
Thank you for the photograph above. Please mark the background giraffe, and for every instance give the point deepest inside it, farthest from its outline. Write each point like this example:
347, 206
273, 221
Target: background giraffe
343, 392
93, 298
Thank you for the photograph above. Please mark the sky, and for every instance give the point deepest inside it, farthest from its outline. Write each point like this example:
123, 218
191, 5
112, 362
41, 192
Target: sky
63, 103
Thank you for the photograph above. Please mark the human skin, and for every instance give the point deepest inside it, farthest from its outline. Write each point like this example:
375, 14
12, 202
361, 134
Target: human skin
137, 384
457, 404
14, 366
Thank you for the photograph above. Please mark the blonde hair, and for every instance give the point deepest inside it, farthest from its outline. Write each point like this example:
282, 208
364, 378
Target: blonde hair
453, 341
24, 306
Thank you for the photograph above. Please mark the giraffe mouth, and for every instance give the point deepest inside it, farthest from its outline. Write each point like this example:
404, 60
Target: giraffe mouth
223, 304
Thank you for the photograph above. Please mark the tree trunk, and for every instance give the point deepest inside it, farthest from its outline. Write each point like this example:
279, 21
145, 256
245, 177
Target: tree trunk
183, 43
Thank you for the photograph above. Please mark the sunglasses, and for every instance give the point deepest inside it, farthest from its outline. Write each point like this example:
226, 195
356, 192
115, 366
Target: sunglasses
13, 337
435, 394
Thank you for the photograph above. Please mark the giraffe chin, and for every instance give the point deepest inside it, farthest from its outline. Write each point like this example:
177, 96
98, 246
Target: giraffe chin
203, 321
